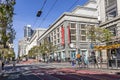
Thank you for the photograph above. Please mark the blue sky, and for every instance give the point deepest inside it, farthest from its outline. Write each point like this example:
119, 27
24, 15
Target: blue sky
26, 11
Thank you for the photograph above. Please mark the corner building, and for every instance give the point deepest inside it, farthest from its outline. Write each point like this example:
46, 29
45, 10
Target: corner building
68, 32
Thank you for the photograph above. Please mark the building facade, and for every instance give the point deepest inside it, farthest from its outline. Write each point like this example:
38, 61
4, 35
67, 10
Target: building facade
33, 40
27, 43
28, 31
22, 44
109, 17
69, 32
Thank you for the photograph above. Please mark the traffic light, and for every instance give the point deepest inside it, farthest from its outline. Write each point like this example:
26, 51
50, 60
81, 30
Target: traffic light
39, 13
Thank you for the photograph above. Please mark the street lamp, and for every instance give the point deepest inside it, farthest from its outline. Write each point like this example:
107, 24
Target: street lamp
72, 45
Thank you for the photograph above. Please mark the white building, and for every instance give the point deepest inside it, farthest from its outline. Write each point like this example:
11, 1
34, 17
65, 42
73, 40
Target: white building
22, 44
68, 32
29, 40
33, 40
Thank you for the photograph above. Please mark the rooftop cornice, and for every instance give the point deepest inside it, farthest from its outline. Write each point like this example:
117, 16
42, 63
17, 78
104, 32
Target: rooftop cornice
84, 7
68, 14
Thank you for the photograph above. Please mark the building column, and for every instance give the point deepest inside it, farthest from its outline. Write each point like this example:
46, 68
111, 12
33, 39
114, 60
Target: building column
77, 38
67, 53
118, 7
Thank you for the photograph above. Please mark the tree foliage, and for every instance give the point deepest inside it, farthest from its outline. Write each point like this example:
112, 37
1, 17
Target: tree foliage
44, 49
99, 34
7, 32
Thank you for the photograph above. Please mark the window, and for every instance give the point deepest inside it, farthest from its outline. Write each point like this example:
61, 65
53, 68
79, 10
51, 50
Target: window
83, 38
111, 14
57, 29
54, 32
51, 38
54, 42
54, 37
73, 25
110, 2
83, 32
58, 35
51, 34
73, 37
83, 26
58, 41
73, 31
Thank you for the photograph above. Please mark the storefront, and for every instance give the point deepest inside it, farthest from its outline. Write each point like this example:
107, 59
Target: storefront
113, 54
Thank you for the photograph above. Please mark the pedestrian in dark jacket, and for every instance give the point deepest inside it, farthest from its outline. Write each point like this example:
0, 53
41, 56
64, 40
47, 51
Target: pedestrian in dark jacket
3, 65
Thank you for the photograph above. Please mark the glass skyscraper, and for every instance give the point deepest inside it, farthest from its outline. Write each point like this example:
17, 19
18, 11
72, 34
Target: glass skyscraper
28, 31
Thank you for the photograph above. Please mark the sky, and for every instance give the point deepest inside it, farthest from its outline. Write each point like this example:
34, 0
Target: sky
26, 10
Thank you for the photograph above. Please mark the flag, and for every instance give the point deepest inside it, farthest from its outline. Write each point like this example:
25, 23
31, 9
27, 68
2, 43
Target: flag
62, 36
69, 39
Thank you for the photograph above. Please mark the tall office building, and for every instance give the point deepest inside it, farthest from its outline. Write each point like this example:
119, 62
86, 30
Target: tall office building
28, 31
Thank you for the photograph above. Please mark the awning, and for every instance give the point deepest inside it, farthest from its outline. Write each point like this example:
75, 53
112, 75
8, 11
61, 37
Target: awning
107, 47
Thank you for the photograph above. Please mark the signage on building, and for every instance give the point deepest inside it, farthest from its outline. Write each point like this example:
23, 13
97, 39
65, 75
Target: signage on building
62, 36
69, 40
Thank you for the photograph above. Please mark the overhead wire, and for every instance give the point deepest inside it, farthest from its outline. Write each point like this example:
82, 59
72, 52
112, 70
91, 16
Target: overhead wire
44, 4
48, 13
45, 1
72, 5
53, 7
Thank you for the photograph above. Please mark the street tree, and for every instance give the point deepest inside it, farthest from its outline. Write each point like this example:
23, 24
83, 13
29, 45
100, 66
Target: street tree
33, 52
99, 35
7, 32
44, 50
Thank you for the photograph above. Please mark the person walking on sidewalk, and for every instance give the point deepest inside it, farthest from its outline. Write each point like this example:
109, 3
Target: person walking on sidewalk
83, 60
95, 62
73, 62
3, 65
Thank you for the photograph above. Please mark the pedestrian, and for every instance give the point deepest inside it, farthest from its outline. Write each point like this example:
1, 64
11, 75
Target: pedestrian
3, 65
99, 61
95, 61
14, 63
83, 60
73, 62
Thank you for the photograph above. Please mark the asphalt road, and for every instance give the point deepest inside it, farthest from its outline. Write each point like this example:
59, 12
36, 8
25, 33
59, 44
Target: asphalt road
53, 72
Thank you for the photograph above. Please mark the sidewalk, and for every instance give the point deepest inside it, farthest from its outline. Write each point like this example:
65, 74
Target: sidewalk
92, 68
102, 69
